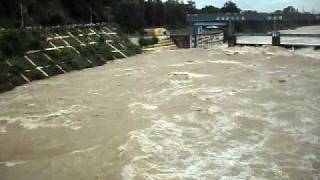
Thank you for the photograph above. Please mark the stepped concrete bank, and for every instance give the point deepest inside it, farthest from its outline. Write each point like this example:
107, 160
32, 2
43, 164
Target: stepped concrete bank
63, 49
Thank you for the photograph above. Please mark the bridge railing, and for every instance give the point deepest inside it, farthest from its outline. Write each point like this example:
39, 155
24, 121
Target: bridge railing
301, 35
253, 34
193, 18
281, 34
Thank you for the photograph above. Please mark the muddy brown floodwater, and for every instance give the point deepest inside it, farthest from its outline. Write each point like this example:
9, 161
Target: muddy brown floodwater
220, 113
286, 40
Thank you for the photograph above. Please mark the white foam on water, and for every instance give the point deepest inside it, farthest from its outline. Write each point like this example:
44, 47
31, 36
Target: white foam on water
214, 109
143, 105
269, 106
225, 62
128, 172
3, 130
239, 50
308, 53
179, 151
13, 163
195, 62
94, 92
129, 72
139, 107
275, 51
187, 63
31, 104
176, 88
86, 150
187, 75
228, 62
185, 146
59, 118
177, 65
213, 93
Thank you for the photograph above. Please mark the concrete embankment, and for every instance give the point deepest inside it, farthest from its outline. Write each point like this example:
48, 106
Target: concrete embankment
62, 49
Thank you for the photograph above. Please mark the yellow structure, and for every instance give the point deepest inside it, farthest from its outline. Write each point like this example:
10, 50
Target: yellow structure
160, 31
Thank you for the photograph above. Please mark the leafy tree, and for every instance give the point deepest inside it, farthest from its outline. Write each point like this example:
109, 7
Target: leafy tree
230, 7
290, 10
154, 13
175, 14
210, 10
278, 12
9, 13
132, 15
17, 42
191, 7
250, 12
129, 14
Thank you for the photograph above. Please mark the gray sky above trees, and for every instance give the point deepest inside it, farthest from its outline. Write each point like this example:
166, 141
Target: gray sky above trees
266, 5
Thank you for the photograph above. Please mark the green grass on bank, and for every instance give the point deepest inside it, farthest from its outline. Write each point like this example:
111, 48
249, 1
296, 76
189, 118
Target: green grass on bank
17, 42
14, 44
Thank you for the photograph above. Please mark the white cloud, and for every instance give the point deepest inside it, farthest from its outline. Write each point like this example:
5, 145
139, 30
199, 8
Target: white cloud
266, 5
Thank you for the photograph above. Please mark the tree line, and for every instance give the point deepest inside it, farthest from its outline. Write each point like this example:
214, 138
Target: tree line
131, 15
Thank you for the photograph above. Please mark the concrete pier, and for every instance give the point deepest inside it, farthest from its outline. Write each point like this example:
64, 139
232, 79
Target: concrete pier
276, 39
232, 41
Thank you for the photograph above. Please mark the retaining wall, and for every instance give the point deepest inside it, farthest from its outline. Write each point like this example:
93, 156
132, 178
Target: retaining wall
66, 49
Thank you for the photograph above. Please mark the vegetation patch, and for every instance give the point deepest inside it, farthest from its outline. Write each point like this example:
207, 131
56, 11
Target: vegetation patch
28, 55
148, 41
17, 42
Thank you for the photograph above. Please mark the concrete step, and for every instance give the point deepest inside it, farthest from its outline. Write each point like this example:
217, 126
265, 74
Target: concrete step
170, 47
162, 43
165, 41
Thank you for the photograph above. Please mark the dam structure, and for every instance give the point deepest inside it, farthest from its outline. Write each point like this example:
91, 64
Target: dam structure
227, 22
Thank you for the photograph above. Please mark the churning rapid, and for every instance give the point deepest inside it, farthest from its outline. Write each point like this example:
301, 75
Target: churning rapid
219, 113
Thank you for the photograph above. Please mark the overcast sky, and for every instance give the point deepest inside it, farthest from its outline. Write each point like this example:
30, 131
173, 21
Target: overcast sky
266, 5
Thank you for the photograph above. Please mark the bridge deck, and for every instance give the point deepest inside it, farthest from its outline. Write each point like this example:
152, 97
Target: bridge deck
194, 18
285, 40
281, 34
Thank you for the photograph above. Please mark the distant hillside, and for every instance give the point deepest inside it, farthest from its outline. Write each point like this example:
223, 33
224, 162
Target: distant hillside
131, 15
52, 12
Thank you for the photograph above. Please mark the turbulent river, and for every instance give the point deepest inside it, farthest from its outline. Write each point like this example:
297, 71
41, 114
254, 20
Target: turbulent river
286, 40
218, 113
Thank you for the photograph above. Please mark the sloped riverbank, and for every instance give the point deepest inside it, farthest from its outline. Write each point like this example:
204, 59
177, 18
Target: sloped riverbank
33, 54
